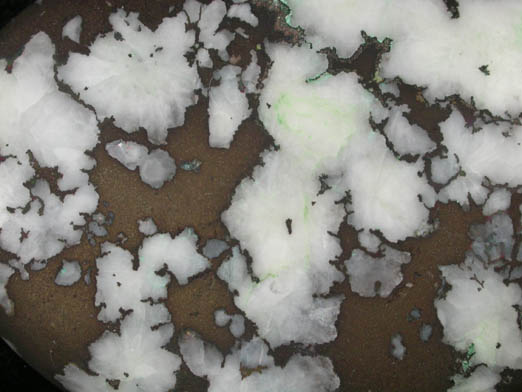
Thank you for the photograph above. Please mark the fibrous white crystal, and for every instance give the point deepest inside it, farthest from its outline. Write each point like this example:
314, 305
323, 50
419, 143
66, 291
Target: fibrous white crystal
137, 76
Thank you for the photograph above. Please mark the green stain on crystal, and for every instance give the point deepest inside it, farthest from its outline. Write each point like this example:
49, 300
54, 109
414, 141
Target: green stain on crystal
321, 76
326, 112
518, 33
377, 78
471, 350
466, 363
304, 117
288, 17
274, 275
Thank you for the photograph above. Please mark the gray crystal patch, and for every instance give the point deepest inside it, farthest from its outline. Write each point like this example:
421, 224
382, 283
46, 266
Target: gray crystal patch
129, 154
157, 168
69, 274
370, 276
397, 348
415, 314
425, 332
96, 229
493, 240
147, 226
213, 248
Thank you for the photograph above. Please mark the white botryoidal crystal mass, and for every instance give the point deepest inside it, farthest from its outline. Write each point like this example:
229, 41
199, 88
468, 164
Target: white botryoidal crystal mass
208, 18
236, 322
155, 167
244, 13
291, 268
73, 29
444, 168
483, 379
144, 69
136, 356
498, 200
39, 122
369, 241
301, 373
179, 254
407, 138
494, 151
228, 107
250, 76
429, 48
479, 310
221, 318
203, 58
281, 215
147, 226
322, 124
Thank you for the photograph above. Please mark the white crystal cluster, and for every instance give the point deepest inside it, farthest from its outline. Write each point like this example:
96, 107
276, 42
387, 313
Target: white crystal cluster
144, 69
40, 123
136, 356
301, 373
479, 312
342, 154
156, 167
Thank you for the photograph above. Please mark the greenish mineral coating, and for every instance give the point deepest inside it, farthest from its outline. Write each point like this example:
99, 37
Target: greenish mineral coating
288, 17
321, 76
326, 112
307, 107
306, 212
192, 165
274, 275
377, 78
518, 33
466, 363
471, 350
254, 285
